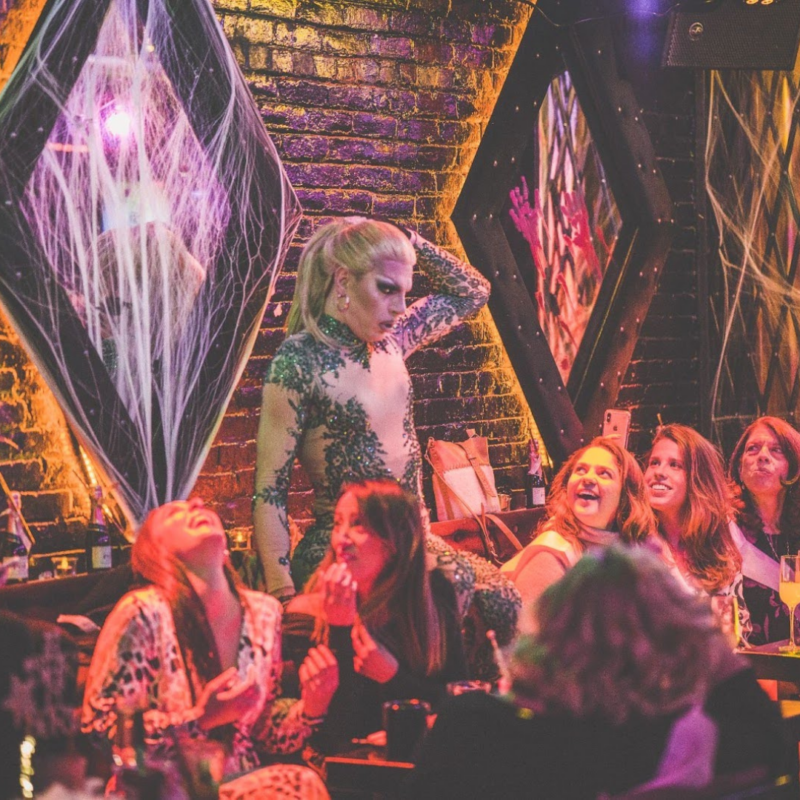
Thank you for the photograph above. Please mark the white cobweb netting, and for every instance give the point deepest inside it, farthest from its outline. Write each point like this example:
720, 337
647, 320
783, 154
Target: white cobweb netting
752, 171
146, 215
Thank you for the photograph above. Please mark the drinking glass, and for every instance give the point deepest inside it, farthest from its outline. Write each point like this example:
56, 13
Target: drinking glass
790, 594
726, 613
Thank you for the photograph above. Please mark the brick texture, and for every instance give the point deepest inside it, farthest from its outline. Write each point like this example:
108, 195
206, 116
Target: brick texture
378, 108
663, 376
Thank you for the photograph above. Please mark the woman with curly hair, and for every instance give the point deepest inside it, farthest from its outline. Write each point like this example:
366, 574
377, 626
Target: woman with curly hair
390, 620
200, 656
765, 466
625, 682
597, 498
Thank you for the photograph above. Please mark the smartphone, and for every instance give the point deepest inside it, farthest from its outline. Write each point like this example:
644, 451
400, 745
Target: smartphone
616, 424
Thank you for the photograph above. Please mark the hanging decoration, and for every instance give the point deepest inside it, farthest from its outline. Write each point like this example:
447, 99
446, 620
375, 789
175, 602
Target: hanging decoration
144, 214
752, 173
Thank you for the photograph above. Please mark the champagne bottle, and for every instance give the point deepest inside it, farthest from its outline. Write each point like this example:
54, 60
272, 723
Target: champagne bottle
16, 546
98, 539
536, 489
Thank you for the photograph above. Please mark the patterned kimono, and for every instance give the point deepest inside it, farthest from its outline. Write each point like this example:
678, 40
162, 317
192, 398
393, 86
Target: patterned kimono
346, 413
138, 664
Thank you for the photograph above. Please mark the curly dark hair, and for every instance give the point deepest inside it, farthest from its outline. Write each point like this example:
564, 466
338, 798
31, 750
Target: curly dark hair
634, 520
617, 637
710, 553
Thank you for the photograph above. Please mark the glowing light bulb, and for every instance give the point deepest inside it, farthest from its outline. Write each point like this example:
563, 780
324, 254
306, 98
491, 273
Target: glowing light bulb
118, 123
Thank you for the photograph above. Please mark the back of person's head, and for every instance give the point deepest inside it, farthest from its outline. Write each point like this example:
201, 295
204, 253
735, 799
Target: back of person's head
713, 558
634, 520
617, 636
355, 243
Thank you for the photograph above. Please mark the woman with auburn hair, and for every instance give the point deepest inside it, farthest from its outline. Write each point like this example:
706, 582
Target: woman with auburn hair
596, 499
625, 682
391, 621
198, 654
765, 466
693, 503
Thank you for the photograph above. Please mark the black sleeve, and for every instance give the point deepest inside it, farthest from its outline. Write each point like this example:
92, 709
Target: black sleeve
453, 759
751, 730
405, 683
344, 718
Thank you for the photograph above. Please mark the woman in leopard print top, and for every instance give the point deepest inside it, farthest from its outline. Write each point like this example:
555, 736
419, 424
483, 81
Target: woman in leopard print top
197, 653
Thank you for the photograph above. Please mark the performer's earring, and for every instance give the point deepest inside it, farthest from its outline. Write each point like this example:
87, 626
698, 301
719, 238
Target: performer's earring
342, 302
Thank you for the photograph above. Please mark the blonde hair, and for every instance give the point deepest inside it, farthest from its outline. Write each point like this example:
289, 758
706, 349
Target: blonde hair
619, 637
355, 243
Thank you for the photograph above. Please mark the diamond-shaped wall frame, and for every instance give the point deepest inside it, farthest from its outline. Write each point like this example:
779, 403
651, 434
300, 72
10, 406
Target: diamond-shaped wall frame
567, 414
150, 448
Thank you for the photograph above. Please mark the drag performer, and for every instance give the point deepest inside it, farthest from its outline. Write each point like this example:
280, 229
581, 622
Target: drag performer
338, 396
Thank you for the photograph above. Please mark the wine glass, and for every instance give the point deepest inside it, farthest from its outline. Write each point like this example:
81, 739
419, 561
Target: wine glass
790, 594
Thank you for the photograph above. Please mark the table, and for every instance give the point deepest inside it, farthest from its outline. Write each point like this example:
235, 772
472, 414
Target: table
364, 772
770, 664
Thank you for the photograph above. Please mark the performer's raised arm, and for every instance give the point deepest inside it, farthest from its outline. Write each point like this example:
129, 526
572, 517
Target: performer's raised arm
282, 421
458, 291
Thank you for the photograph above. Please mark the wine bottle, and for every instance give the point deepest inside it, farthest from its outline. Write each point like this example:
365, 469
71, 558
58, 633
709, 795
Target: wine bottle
98, 539
536, 489
15, 548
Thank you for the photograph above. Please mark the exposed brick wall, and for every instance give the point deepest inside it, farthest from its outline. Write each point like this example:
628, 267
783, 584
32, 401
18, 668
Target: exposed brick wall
37, 456
17, 18
377, 108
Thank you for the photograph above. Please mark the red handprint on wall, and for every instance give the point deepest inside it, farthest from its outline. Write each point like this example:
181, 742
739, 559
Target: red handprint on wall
569, 271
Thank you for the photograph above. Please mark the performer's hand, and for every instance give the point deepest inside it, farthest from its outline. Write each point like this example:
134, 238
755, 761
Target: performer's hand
319, 680
372, 660
339, 594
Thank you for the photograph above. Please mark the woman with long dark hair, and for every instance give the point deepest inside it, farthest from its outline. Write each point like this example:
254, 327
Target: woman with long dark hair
765, 465
197, 653
693, 502
391, 621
